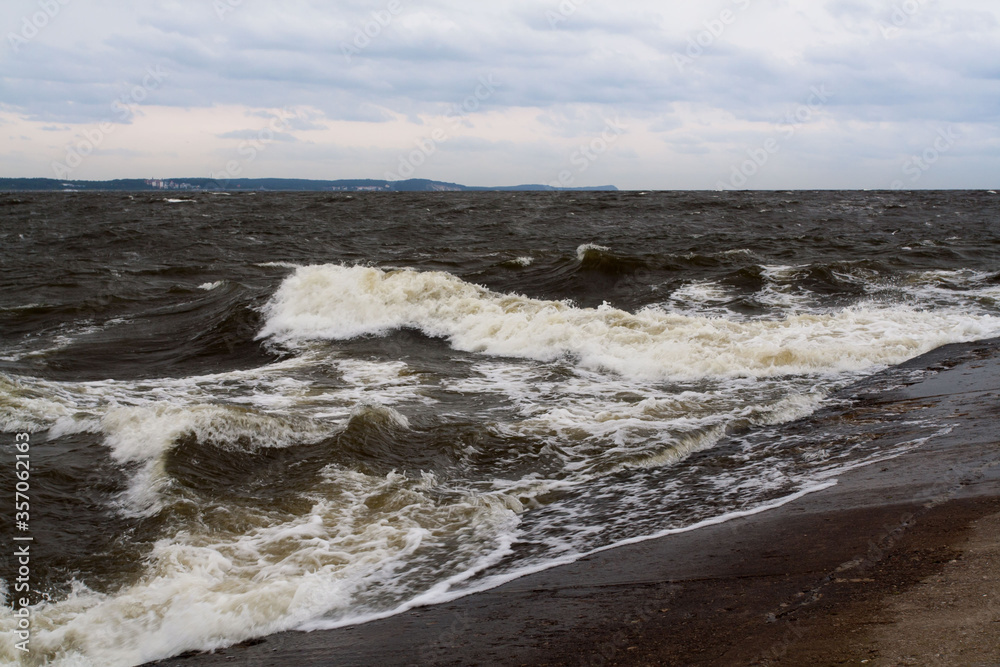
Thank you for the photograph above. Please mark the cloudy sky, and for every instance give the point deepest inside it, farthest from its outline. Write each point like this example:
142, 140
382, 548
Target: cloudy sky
669, 94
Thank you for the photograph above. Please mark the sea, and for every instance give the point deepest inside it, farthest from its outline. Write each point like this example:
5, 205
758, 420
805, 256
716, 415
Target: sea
251, 412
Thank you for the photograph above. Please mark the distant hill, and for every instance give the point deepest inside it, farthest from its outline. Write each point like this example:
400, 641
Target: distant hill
271, 184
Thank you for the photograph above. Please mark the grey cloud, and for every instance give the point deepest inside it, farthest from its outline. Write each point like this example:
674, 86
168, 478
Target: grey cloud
224, 62
943, 65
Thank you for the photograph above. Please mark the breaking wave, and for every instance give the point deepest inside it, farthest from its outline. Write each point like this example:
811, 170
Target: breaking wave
343, 302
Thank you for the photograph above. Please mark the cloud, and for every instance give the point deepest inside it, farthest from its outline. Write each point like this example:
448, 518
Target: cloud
258, 135
354, 78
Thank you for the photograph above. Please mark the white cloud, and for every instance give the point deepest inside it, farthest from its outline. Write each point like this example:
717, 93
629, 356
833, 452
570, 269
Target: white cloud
361, 82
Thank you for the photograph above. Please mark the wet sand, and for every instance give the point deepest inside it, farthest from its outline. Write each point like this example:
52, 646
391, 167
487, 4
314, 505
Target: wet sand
897, 564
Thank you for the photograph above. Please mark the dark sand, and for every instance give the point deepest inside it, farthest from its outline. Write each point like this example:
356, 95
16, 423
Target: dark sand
898, 564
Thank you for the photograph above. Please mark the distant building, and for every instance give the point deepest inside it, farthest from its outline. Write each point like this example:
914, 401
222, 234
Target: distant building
361, 188
160, 184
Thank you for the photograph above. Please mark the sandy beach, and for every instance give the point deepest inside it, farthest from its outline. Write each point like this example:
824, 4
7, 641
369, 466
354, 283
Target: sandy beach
895, 564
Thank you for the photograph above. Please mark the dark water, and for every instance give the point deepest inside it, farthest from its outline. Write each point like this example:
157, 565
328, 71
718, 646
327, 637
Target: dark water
281, 410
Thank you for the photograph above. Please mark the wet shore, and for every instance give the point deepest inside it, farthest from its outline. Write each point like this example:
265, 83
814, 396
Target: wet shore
813, 581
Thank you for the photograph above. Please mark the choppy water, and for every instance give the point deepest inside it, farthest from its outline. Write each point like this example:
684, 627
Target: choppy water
258, 412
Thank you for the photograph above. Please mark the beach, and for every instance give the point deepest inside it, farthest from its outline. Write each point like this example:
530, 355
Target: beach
895, 564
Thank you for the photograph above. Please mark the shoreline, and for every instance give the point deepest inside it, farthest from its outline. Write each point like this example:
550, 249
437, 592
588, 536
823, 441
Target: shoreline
801, 583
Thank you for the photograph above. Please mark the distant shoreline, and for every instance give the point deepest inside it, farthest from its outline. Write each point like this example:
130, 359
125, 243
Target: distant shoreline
268, 184
362, 186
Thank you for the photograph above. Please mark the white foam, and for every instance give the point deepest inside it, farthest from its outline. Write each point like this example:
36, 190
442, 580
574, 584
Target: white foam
142, 420
816, 482
593, 425
27, 408
340, 303
282, 265
207, 589
583, 250
738, 251
35, 405
68, 335
700, 298
349, 557
782, 272
444, 594
208, 287
27, 306
971, 291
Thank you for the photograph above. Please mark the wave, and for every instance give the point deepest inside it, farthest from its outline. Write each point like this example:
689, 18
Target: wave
338, 302
266, 532
589, 274
265, 571
267, 528
598, 258
214, 324
522, 261
342, 481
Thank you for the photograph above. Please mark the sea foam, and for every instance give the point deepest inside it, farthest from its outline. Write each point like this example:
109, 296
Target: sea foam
344, 302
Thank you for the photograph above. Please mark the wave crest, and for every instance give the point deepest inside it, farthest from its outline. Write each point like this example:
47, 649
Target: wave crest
340, 303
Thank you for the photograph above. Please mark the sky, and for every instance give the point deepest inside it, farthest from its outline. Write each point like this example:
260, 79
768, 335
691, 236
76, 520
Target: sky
724, 94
